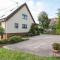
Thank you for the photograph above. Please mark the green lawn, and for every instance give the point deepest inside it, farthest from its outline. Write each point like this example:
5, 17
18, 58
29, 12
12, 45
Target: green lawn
14, 55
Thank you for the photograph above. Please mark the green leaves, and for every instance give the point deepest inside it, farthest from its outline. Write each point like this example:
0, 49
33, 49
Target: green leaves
58, 23
34, 30
43, 20
1, 31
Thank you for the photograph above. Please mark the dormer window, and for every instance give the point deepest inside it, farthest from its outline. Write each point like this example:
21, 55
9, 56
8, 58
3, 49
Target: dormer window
24, 16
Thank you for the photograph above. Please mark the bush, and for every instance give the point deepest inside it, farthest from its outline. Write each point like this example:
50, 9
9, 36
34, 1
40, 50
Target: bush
4, 41
56, 46
34, 30
15, 39
12, 39
41, 30
1, 31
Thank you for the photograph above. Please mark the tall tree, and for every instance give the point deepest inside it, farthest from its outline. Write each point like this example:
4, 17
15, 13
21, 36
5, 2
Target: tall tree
58, 22
43, 20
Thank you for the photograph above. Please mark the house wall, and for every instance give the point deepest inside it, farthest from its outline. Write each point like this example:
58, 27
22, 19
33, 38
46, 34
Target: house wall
3, 24
17, 18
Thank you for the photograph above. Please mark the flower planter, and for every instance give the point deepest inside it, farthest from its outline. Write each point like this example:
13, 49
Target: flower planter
56, 51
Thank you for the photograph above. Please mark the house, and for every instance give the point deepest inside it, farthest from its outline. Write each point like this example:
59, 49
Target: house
52, 25
53, 21
18, 22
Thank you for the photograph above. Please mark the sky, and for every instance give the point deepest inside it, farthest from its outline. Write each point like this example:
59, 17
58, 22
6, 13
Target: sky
35, 6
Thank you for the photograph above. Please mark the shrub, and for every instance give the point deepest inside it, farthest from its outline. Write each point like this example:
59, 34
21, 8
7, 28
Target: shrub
34, 30
12, 39
41, 30
56, 46
15, 39
1, 31
3, 41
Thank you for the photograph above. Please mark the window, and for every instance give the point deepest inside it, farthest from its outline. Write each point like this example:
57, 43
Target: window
24, 26
25, 16
16, 25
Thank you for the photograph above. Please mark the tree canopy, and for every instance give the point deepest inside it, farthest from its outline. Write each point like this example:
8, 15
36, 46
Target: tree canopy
43, 20
58, 22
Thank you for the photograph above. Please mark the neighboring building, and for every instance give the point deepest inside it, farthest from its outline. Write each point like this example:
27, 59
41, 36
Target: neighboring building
18, 22
53, 21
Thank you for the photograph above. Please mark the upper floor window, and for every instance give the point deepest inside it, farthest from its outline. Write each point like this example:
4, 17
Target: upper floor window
24, 26
24, 16
16, 25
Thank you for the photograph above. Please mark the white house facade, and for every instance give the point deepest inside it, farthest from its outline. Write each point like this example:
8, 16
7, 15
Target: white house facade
18, 22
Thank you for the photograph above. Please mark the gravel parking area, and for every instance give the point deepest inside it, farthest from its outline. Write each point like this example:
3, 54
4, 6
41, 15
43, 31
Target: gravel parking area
40, 45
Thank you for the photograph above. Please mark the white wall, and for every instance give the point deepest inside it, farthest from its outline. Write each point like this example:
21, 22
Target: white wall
3, 24
17, 18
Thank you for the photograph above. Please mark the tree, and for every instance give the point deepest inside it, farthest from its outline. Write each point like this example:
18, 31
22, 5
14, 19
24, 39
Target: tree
58, 23
1, 32
43, 20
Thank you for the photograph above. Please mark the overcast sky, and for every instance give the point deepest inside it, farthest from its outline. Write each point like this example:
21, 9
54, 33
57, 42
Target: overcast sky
35, 6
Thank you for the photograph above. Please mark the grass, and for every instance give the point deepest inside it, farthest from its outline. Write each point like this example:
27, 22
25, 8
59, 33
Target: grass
14, 55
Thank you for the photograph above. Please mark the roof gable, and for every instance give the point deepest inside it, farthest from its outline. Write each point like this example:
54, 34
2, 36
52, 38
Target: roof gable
14, 12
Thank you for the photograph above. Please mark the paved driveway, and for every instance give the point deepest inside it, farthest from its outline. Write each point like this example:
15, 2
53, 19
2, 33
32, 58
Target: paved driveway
40, 45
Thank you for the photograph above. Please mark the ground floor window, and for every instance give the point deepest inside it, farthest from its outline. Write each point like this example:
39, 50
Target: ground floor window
24, 26
16, 25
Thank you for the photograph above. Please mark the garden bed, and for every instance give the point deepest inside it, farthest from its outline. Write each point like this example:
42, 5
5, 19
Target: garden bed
56, 49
